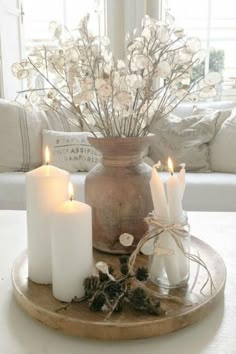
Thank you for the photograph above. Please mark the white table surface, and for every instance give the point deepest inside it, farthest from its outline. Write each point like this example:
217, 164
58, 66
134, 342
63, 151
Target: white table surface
216, 334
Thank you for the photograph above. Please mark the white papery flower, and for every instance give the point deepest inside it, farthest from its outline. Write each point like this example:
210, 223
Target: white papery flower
99, 82
84, 97
107, 56
71, 55
19, 71
120, 64
86, 84
213, 78
184, 56
181, 93
193, 45
163, 69
141, 61
107, 69
105, 91
179, 32
56, 62
136, 45
208, 91
84, 73
126, 239
134, 81
163, 34
123, 99
102, 267
146, 33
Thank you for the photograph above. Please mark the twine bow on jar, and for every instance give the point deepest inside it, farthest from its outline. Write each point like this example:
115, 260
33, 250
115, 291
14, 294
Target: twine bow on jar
151, 245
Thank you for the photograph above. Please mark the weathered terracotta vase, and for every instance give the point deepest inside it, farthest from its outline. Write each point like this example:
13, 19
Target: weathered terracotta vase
118, 191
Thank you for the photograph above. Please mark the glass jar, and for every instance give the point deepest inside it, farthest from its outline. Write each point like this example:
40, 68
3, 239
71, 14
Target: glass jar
169, 266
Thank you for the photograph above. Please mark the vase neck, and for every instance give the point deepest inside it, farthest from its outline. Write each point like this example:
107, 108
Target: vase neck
121, 151
121, 160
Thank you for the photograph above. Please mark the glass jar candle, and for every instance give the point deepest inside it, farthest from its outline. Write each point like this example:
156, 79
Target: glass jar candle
169, 264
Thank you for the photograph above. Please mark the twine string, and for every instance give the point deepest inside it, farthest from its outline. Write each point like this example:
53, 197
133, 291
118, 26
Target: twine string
177, 232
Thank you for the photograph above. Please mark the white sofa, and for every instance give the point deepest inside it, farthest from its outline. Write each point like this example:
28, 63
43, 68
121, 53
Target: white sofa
211, 191
204, 191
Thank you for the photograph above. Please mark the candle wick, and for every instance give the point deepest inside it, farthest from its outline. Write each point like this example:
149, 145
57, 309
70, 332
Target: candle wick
71, 198
47, 163
172, 174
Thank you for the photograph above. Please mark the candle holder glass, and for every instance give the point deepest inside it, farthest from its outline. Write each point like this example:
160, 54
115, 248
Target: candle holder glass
169, 266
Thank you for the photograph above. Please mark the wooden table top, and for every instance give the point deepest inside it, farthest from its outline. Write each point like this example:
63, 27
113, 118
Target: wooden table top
20, 334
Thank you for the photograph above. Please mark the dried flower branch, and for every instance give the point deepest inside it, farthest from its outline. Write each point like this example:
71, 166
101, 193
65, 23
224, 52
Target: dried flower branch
81, 78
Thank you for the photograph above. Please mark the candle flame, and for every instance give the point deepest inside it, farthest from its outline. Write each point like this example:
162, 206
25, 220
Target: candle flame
47, 155
170, 166
71, 191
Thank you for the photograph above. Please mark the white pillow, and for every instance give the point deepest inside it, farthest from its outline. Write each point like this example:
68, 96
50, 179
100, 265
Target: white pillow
184, 140
223, 147
21, 135
185, 109
71, 151
223, 114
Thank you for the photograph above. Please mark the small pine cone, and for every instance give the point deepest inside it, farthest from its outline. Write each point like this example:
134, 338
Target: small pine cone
137, 298
111, 269
91, 284
124, 269
153, 307
103, 277
97, 303
114, 289
141, 273
124, 259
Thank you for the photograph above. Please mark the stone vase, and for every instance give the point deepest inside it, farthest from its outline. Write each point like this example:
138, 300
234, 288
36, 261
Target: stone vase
118, 191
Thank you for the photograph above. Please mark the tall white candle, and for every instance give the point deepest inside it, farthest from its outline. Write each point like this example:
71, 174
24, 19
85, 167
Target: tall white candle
46, 186
161, 213
72, 258
158, 195
174, 195
175, 192
181, 178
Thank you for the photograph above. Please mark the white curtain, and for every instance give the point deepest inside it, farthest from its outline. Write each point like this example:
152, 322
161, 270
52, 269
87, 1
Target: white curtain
125, 15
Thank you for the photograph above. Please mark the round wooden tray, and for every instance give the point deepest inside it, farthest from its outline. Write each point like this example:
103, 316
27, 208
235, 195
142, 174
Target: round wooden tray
77, 319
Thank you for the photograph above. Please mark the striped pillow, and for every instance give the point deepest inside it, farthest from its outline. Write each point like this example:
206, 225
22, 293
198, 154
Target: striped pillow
21, 135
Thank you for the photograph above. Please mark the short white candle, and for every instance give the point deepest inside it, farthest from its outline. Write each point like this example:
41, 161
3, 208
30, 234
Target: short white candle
46, 186
72, 258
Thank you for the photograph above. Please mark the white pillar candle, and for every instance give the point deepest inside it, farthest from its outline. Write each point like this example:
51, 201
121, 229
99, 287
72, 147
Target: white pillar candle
72, 258
46, 187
